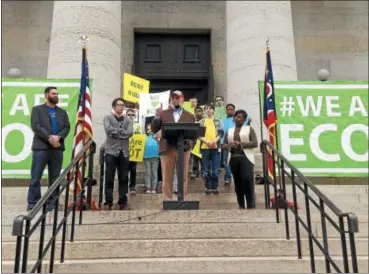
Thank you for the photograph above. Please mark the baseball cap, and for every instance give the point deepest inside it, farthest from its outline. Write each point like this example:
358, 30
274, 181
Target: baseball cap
176, 93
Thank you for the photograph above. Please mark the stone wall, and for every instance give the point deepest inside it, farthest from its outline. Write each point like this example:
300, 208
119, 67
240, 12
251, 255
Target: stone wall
26, 28
332, 35
177, 14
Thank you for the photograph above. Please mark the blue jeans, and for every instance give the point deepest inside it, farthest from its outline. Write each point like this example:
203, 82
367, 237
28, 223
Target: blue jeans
53, 158
151, 173
227, 173
210, 165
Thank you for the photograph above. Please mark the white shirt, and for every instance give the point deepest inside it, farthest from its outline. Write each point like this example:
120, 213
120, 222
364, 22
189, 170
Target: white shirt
177, 114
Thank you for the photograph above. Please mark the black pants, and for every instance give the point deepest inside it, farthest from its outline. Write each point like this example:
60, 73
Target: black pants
196, 162
243, 176
132, 174
113, 163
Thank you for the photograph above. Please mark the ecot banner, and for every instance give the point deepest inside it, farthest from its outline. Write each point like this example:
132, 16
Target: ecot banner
323, 126
18, 97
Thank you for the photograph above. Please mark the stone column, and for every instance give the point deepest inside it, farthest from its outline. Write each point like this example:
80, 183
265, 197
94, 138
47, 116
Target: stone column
249, 23
101, 21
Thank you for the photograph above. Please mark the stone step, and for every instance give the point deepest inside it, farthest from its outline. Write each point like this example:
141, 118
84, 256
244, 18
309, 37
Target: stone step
147, 201
330, 181
285, 264
180, 216
219, 202
250, 229
353, 195
104, 249
161, 216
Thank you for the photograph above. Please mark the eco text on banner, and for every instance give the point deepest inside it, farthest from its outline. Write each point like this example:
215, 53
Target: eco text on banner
323, 127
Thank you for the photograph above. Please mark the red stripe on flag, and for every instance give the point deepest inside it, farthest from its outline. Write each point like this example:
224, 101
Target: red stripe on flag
88, 112
271, 133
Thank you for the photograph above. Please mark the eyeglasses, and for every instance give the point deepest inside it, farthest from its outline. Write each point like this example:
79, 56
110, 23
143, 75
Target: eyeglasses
131, 115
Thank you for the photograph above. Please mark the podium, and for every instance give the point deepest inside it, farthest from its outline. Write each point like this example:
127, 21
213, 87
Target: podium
177, 133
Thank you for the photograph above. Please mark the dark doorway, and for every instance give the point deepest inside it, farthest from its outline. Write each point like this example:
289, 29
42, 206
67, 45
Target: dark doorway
175, 61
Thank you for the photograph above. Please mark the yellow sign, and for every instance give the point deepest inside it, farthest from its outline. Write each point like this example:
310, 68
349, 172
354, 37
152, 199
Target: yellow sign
196, 149
133, 86
137, 147
187, 106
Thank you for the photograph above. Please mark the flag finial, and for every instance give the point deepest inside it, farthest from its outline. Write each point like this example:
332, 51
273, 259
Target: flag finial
84, 40
267, 42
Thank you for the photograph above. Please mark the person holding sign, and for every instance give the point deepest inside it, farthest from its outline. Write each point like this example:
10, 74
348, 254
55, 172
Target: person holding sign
220, 111
132, 167
50, 125
240, 142
210, 150
168, 151
118, 129
193, 102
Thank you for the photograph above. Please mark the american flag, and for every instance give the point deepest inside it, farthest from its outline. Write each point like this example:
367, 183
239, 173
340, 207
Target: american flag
83, 128
270, 115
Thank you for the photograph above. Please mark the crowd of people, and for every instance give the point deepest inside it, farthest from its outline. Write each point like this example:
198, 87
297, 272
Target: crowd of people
228, 144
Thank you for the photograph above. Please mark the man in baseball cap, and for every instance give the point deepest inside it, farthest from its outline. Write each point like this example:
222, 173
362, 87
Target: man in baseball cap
167, 149
177, 98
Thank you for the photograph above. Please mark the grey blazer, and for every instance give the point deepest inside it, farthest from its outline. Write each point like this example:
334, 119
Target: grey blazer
117, 135
41, 126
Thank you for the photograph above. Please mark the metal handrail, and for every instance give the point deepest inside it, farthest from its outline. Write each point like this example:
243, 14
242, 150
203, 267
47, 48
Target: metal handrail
60, 184
325, 199
269, 151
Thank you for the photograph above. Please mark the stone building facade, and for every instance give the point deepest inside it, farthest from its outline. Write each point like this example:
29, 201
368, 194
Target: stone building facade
41, 39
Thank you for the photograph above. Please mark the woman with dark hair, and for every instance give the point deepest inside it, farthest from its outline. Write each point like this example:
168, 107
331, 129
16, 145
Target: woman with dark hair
240, 142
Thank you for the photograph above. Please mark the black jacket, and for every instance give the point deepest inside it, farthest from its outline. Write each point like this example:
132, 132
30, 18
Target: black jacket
41, 126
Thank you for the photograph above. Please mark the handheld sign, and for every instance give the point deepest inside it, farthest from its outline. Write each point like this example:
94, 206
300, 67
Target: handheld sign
137, 147
133, 86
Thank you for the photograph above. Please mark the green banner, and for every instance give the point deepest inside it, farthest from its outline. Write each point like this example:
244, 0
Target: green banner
18, 97
323, 126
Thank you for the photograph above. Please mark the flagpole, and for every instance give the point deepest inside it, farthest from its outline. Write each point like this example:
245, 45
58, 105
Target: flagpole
261, 116
275, 127
84, 40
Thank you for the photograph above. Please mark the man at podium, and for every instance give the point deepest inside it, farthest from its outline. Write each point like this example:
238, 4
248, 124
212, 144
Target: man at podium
167, 148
